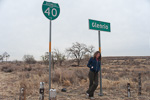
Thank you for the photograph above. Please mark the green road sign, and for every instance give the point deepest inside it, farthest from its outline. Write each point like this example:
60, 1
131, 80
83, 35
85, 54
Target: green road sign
50, 10
99, 25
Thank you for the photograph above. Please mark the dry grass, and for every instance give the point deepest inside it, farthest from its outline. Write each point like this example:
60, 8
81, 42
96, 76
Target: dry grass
116, 74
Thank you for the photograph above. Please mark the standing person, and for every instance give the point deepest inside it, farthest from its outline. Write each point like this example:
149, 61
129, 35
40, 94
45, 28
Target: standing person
94, 65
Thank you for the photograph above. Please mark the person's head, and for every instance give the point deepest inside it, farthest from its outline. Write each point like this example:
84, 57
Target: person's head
97, 55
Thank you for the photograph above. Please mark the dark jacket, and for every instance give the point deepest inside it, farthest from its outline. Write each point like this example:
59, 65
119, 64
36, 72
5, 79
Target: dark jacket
96, 64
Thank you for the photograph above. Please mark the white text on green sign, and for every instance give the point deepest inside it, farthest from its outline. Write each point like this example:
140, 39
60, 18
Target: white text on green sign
99, 25
50, 10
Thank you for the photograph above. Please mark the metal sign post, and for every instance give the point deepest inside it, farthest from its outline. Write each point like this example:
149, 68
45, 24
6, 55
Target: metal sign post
100, 26
50, 58
51, 11
99, 38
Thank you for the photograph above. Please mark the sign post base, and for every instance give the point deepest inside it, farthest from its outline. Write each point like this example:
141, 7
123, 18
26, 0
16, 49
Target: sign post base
100, 94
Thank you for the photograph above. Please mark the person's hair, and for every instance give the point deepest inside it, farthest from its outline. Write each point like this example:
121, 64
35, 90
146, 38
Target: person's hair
96, 54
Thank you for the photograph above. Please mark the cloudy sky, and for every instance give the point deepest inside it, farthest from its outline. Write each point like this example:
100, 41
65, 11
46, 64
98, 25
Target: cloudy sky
25, 30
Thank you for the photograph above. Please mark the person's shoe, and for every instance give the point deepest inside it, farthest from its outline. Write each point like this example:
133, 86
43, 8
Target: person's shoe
92, 98
87, 95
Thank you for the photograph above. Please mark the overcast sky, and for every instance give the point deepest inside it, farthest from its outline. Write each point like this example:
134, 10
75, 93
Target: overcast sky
25, 30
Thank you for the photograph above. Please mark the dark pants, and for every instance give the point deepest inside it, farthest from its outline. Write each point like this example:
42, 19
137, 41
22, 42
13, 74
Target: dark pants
93, 83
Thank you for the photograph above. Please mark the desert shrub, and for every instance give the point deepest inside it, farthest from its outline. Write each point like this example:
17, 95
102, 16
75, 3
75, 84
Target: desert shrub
56, 76
81, 74
105, 70
62, 76
28, 68
135, 79
68, 76
6, 69
40, 73
29, 59
145, 77
123, 74
108, 84
29, 86
111, 77
123, 83
66, 83
146, 86
27, 75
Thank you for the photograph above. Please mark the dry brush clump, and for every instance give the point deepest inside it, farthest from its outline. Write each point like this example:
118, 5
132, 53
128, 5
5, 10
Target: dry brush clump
67, 77
7, 67
30, 82
120, 85
146, 86
111, 76
13, 67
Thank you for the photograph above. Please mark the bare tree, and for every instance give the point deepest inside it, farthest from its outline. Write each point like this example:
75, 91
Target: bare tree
6, 55
60, 57
45, 58
77, 51
29, 59
54, 60
91, 50
1, 58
